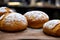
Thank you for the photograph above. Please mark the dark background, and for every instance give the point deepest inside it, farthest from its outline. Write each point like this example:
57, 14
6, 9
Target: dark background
54, 13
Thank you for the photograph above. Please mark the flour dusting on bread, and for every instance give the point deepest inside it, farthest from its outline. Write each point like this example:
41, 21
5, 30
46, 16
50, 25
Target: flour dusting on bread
37, 15
15, 17
51, 24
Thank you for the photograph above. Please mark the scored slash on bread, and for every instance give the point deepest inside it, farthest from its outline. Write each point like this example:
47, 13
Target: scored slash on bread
4, 10
13, 22
51, 24
52, 27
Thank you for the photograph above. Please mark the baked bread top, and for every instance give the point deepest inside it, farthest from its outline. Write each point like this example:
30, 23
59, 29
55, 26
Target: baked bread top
13, 17
51, 24
36, 15
5, 9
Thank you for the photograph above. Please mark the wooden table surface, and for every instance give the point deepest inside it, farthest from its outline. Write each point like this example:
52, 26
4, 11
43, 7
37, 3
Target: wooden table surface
27, 34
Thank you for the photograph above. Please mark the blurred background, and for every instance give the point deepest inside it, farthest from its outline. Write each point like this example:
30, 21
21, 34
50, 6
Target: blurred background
51, 7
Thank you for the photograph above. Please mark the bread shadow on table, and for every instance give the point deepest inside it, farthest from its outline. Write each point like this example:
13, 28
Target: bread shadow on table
51, 35
34, 28
13, 31
28, 39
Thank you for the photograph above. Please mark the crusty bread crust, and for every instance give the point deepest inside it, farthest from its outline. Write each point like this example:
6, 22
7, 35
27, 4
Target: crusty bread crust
53, 32
36, 19
14, 26
7, 10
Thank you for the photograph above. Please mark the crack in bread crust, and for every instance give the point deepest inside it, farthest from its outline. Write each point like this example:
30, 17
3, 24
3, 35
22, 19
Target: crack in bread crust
53, 32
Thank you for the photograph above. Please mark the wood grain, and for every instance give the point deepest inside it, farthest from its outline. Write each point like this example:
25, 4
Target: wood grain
27, 34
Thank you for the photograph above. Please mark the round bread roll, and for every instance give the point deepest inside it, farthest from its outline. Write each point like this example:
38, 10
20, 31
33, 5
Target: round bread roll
52, 27
36, 19
13, 22
4, 10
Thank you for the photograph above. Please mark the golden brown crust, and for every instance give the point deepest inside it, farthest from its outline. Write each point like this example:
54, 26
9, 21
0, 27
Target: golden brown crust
54, 32
36, 23
16, 26
1, 13
7, 11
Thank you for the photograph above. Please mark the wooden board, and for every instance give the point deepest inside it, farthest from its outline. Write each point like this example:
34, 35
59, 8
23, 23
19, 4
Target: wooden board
27, 34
